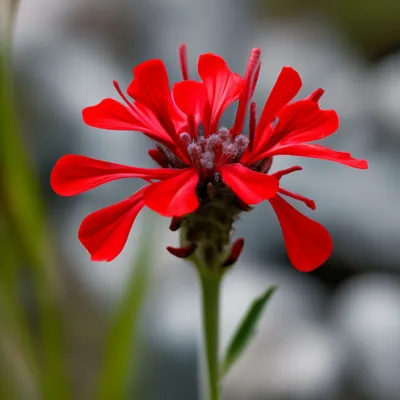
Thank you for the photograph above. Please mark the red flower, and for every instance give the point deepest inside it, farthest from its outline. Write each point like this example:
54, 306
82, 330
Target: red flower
208, 174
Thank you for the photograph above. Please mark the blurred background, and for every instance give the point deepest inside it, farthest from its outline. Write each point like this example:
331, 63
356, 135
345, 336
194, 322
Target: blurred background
73, 329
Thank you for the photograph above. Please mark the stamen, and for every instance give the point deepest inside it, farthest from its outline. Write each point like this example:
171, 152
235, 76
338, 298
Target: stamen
181, 151
236, 249
174, 159
120, 92
159, 158
265, 165
253, 63
232, 152
183, 61
255, 80
251, 72
207, 160
278, 174
308, 202
252, 124
215, 146
241, 142
202, 142
185, 139
206, 119
224, 134
229, 152
192, 126
213, 141
316, 95
195, 151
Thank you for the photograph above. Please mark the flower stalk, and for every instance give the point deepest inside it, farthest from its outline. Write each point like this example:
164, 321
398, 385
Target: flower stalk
210, 282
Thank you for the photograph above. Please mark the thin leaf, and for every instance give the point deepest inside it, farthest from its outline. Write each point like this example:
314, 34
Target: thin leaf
19, 369
24, 210
117, 366
245, 331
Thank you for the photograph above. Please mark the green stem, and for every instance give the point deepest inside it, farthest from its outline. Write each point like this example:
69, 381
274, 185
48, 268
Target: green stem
210, 288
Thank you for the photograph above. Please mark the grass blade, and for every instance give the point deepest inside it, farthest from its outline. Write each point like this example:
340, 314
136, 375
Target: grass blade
18, 360
23, 208
122, 336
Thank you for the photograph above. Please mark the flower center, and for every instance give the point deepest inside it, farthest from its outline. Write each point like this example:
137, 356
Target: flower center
207, 153
217, 149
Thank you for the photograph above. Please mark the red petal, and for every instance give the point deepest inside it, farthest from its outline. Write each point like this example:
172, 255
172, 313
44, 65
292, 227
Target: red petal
308, 243
252, 187
174, 197
150, 86
286, 87
74, 174
304, 121
105, 232
190, 97
223, 86
316, 151
110, 114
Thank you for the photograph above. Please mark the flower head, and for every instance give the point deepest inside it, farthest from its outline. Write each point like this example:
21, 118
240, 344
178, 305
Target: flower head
208, 174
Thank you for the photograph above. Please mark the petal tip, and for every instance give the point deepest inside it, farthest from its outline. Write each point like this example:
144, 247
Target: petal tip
363, 164
308, 243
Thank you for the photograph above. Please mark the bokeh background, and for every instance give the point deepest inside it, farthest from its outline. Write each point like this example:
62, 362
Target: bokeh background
72, 329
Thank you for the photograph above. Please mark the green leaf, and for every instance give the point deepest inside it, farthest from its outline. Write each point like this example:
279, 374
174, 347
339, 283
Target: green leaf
245, 331
121, 343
